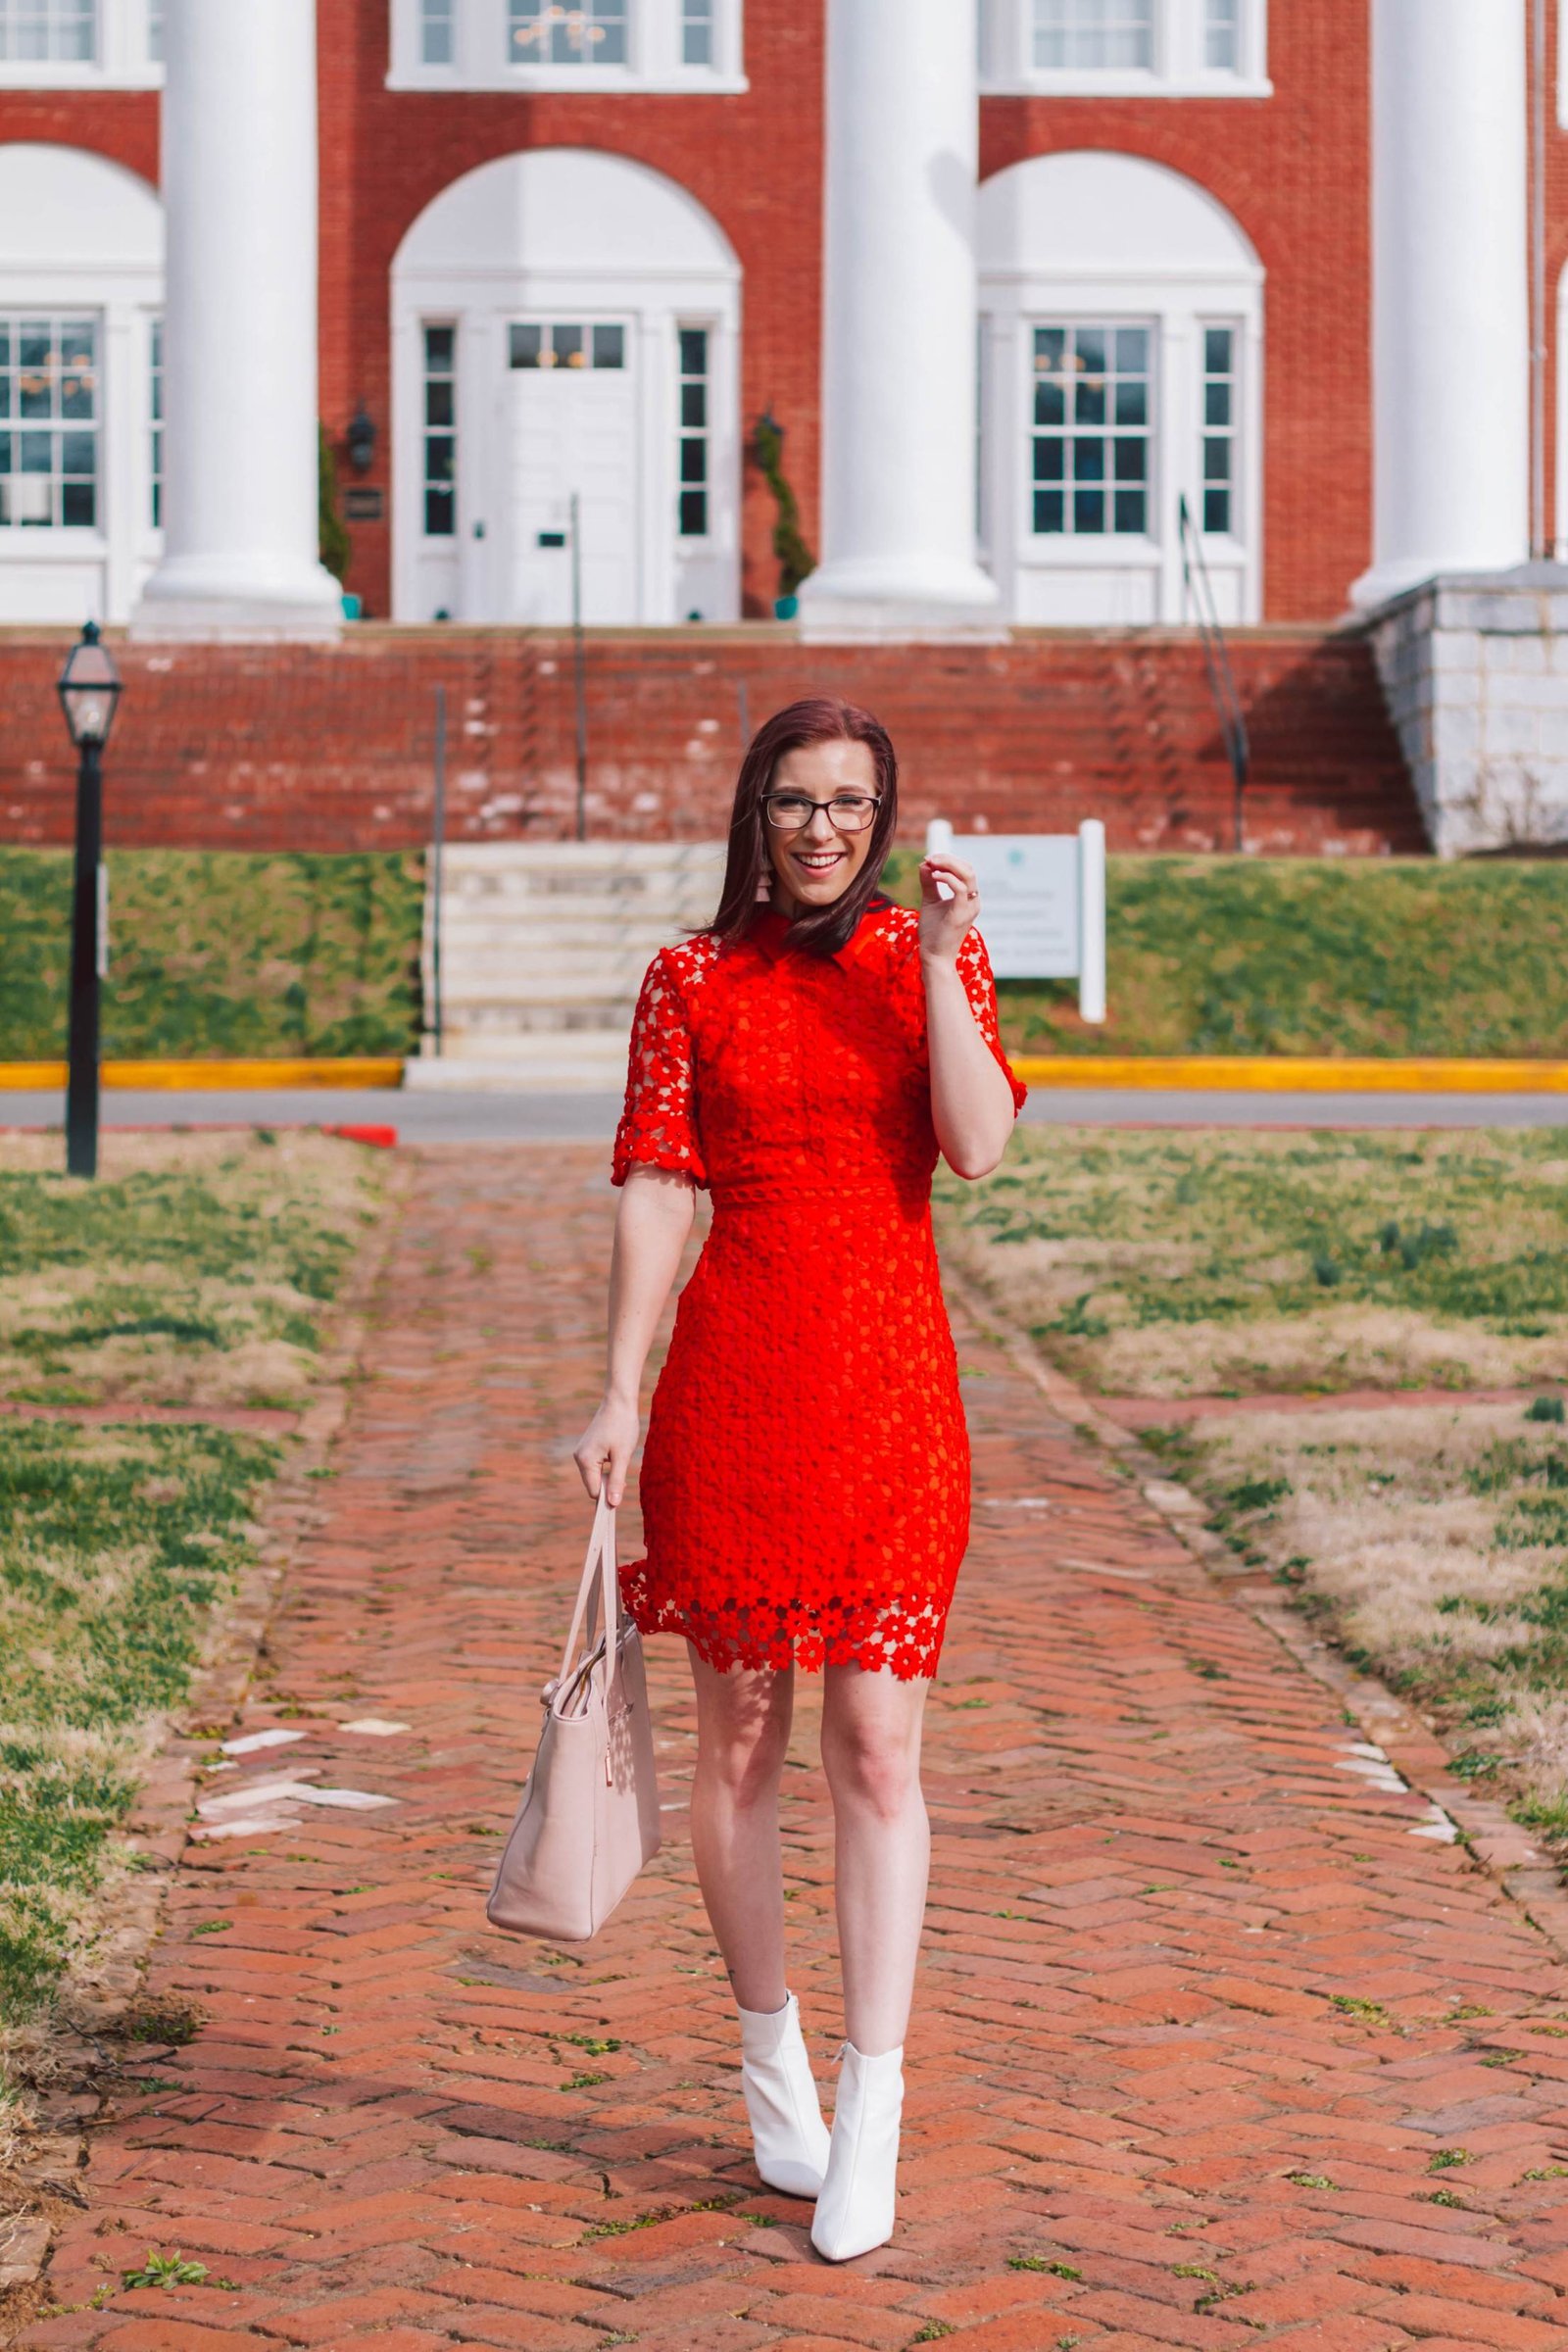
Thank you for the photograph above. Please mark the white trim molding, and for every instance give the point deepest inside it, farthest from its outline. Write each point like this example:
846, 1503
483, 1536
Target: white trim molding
85, 237
480, 51
1011, 41
1100, 240
125, 54
578, 235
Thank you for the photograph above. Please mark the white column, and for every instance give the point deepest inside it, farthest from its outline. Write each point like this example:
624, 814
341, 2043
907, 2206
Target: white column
239, 166
899, 327
1449, 289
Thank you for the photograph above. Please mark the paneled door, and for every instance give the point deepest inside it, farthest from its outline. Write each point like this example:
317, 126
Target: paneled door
571, 413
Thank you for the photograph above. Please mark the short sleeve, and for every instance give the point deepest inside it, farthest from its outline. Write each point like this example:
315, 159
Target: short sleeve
658, 1122
974, 965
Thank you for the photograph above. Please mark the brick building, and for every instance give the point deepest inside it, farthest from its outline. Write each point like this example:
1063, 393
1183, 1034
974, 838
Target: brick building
1017, 280
582, 247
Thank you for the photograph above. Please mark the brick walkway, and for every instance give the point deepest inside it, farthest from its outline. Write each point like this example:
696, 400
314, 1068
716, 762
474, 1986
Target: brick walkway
1200, 2009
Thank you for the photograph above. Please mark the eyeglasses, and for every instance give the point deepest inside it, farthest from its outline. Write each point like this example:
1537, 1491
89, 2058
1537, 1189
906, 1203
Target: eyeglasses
846, 812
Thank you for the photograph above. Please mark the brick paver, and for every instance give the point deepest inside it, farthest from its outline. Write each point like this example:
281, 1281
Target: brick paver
1213, 2046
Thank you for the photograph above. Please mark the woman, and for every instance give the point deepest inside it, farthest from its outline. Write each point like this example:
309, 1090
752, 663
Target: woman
805, 1480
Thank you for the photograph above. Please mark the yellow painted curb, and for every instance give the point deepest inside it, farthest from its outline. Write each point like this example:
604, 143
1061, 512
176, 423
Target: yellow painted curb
167, 1077
1315, 1075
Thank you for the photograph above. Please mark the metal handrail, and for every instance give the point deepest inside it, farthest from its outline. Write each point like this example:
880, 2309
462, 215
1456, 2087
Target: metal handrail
1199, 591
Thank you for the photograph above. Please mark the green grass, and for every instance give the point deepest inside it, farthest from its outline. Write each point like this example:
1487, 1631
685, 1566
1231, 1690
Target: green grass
1428, 1537
112, 1544
1314, 955
1172, 1264
195, 1271
220, 953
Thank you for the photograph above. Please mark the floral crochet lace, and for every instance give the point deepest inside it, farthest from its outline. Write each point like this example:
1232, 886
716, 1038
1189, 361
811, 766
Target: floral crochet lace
804, 1483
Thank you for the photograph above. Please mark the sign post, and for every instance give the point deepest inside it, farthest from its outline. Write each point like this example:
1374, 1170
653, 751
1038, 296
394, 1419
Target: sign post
1042, 901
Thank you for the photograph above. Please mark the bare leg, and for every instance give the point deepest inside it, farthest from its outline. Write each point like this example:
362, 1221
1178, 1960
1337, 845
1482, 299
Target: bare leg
743, 1734
882, 1845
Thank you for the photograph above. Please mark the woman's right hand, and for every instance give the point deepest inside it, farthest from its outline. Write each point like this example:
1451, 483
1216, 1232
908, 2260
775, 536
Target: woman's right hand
606, 1448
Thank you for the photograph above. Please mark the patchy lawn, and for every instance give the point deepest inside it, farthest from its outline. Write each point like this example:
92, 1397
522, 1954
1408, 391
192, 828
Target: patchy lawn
196, 1272
1159, 1265
220, 953
1312, 956
1430, 1540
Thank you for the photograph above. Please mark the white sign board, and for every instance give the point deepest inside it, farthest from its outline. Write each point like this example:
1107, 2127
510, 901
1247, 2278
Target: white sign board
1042, 904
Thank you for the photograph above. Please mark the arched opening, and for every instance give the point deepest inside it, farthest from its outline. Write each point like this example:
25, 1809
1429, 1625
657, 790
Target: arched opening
1121, 312
566, 327
81, 283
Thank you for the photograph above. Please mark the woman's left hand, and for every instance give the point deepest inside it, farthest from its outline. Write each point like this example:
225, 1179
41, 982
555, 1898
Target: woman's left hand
946, 922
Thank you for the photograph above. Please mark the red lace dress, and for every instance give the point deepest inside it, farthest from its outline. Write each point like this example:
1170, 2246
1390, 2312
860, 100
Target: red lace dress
806, 1477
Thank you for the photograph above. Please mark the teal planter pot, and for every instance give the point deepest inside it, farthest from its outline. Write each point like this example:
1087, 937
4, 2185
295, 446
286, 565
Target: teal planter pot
786, 608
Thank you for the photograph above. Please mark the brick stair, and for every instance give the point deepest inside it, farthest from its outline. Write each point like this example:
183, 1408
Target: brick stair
317, 747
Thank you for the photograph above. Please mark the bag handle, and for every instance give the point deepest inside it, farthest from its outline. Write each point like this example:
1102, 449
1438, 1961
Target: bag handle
599, 1559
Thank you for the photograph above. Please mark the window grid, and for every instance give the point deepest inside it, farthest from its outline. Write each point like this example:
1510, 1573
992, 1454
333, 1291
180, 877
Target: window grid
1219, 429
155, 411
436, 31
696, 33
49, 412
53, 32
554, 344
692, 518
1222, 35
545, 32
1091, 430
440, 432
1097, 36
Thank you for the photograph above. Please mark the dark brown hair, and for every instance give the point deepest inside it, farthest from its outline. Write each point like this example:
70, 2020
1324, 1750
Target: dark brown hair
818, 719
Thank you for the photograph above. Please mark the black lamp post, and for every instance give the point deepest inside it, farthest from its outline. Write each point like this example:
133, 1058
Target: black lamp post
88, 689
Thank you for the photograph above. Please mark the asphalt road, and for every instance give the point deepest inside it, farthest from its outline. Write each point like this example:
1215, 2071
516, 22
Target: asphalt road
443, 1118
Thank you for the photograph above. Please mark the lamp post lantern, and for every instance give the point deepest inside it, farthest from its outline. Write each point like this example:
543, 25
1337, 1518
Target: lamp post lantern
88, 690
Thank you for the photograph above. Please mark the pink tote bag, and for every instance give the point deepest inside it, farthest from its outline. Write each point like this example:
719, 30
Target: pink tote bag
588, 1819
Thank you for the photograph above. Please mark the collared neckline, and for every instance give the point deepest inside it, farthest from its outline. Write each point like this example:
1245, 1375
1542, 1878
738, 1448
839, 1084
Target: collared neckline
769, 932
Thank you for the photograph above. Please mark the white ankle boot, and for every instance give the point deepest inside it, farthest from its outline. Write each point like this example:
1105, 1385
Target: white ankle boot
854, 2208
788, 2132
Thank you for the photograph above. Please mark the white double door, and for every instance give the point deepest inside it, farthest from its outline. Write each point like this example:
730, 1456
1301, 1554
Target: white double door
572, 441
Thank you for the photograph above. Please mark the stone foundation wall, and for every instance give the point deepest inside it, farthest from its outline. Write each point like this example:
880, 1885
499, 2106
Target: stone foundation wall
1475, 669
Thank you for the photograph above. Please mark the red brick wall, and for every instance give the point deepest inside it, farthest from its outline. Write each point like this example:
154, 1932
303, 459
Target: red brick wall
1294, 169
755, 161
331, 748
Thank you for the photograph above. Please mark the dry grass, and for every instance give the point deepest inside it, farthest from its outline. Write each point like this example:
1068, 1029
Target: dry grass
1227, 1263
195, 1272
1433, 1542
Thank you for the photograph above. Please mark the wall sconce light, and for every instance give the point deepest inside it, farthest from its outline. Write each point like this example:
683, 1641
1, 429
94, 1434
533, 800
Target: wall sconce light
361, 440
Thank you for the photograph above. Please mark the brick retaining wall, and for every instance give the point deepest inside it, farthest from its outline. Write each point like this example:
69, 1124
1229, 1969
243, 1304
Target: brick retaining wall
304, 747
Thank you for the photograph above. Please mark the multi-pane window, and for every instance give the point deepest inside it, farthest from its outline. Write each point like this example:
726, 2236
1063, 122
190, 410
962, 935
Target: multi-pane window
440, 431
557, 345
1094, 34
1091, 430
53, 32
436, 32
545, 32
155, 412
1219, 429
1222, 35
696, 33
49, 414
692, 518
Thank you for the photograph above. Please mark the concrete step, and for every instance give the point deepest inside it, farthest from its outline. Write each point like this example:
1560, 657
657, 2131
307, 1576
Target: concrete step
560, 1061
549, 935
